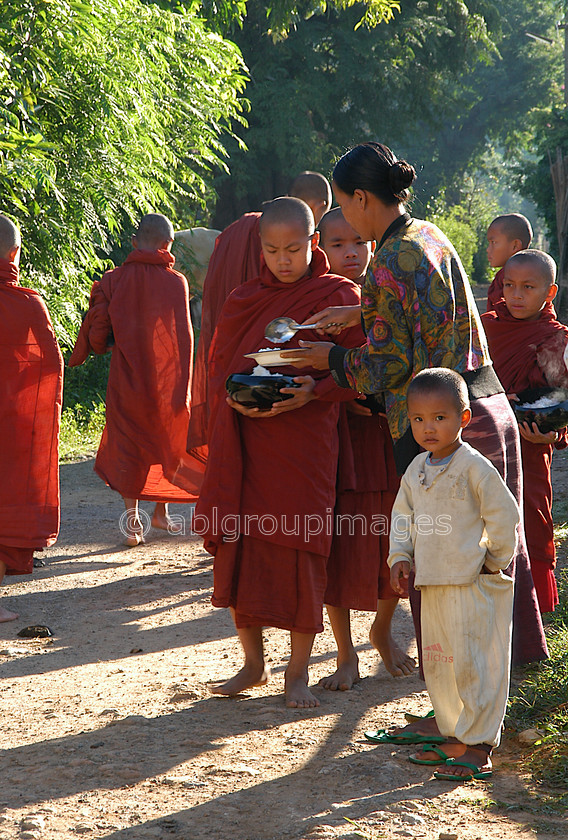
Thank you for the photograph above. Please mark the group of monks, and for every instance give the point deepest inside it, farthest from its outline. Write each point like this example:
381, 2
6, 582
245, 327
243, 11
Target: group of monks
160, 409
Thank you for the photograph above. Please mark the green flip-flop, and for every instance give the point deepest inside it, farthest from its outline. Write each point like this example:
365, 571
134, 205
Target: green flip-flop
476, 773
381, 736
410, 718
443, 758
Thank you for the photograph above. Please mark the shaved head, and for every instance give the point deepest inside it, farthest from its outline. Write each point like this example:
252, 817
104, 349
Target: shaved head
514, 226
9, 237
310, 186
333, 215
440, 381
542, 264
154, 230
287, 211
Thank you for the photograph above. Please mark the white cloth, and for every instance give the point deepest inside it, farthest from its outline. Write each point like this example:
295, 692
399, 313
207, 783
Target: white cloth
466, 656
449, 521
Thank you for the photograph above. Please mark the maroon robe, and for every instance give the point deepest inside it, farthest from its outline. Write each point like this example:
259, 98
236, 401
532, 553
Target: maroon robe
266, 506
143, 306
529, 354
235, 259
31, 379
495, 290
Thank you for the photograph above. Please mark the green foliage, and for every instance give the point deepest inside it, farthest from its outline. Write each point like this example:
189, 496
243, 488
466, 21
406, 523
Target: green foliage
81, 429
111, 108
541, 701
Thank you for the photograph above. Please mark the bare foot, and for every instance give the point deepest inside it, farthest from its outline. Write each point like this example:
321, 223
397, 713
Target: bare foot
164, 523
134, 539
298, 695
427, 726
344, 678
247, 677
477, 756
7, 615
395, 660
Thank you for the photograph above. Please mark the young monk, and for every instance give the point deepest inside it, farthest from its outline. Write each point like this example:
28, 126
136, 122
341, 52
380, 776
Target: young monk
236, 259
505, 236
527, 344
31, 379
140, 311
269, 488
367, 482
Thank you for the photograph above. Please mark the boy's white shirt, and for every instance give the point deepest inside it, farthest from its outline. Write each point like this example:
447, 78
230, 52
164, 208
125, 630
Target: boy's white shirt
450, 528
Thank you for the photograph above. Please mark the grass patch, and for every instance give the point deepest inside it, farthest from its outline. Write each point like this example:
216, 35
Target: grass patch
81, 429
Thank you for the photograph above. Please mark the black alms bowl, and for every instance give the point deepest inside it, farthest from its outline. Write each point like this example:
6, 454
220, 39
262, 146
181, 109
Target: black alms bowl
258, 391
548, 419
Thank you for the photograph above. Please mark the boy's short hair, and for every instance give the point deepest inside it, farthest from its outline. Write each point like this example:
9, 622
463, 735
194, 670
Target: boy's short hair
9, 236
541, 261
153, 230
514, 226
287, 210
311, 186
441, 380
334, 213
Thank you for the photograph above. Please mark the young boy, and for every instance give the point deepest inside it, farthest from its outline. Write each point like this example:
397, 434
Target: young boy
505, 236
454, 521
236, 259
527, 344
367, 482
140, 311
269, 487
31, 379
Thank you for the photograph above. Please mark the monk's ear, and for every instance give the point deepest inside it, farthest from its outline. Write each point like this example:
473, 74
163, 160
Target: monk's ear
552, 292
314, 239
373, 246
14, 254
134, 240
466, 418
517, 245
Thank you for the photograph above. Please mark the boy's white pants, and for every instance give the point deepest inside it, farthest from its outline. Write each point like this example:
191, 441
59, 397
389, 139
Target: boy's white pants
466, 648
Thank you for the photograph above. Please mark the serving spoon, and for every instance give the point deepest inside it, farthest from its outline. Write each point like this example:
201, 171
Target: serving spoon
283, 329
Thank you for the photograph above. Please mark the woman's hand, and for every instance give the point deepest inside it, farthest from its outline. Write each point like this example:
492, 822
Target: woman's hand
334, 319
317, 357
355, 407
534, 435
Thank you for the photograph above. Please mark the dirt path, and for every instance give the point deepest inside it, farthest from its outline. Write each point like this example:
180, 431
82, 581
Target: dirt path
109, 729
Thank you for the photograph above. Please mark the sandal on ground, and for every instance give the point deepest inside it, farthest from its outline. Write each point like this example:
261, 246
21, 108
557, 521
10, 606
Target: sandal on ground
476, 769
381, 736
443, 758
411, 718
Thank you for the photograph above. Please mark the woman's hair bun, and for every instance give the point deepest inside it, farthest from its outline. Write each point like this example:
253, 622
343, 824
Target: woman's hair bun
401, 176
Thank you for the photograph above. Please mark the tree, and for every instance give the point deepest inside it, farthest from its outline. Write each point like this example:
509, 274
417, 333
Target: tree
110, 109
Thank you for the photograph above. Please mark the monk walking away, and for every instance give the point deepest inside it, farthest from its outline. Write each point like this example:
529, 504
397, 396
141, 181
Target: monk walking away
527, 344
140, 313
31, 379
358, 577
505, 236
270, 479
454, 522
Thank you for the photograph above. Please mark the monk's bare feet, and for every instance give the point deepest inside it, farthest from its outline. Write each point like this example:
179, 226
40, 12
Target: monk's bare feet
298, 695
164, 523
133, 539
247, 677
395, 660
344, 678
7, 615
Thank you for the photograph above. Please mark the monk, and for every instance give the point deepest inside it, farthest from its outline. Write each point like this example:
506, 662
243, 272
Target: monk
31, 381
527, 344
269, 488
140, 311
367, 483
505, 236
236, 259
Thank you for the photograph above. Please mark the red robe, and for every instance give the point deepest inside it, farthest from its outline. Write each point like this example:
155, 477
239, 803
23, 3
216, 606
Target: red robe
529, 354
270, 482
31, 379
235, 259
144, 306
495, 290
367, 483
